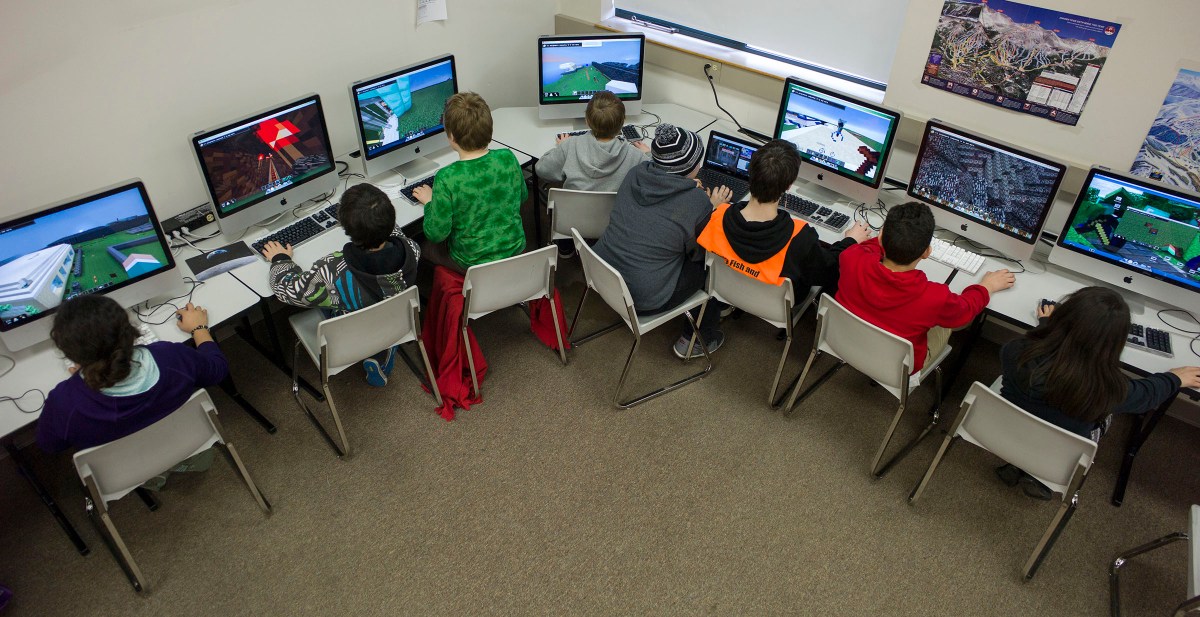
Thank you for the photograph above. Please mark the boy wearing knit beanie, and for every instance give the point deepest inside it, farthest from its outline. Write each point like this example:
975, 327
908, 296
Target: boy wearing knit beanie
651, 235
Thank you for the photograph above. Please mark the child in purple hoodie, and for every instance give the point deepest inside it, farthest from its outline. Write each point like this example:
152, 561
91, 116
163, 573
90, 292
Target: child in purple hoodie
117, 388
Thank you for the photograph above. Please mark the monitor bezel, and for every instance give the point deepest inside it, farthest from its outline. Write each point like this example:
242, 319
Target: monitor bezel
259, 116
1096, 258
367, 155
885, 155
96, 195
582, 37
999, 145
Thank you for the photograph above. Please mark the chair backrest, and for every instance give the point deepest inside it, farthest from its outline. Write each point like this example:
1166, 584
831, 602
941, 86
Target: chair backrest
120, 466
587, 211
873, 351
1194, 551
771, 303
1041, 449
354, 336
500, 284
604, 280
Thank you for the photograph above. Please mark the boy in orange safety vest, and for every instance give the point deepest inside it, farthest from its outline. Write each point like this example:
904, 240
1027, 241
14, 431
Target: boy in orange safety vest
759, 240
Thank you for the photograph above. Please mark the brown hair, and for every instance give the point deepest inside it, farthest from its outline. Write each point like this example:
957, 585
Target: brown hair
468, 120
94, 332
605, 114
773, 169
1077, 353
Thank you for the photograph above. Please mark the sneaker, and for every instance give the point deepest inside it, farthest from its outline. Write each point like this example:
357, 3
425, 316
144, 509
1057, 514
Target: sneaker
1035, 489
390, 361
681, 346
375, 375
1010, 475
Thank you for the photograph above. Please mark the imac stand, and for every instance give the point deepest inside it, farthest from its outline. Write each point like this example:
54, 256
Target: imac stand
406, 173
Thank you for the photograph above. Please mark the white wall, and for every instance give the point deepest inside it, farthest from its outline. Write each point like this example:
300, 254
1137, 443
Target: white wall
96, 92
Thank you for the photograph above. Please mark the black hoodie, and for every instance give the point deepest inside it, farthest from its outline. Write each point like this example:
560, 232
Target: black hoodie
807, 262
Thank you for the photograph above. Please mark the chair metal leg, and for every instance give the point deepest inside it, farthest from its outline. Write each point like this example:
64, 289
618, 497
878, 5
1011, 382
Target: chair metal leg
437, 395
665, 389
947, 443
594, 335
98, 512
235, 461
470, 358
1114, 569
880, 471
1188, 606
787, 345
337, 419
687, 356
1057, 524
562, 347
308, 412
795, 396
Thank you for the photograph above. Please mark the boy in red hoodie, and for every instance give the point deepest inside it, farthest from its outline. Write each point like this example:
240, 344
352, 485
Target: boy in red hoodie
881, 284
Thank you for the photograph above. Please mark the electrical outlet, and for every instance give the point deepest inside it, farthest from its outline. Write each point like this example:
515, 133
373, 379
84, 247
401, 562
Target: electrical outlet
714, 69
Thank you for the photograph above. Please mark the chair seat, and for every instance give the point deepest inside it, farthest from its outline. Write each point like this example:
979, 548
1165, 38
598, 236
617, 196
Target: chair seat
305, 326
646, 323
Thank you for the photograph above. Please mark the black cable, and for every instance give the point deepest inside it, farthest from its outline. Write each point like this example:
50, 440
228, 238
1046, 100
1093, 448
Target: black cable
713, 85
15, 400
144, 310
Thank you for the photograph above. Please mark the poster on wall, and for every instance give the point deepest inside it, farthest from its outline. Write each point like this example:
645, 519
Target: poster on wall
1171, 152
1020, 57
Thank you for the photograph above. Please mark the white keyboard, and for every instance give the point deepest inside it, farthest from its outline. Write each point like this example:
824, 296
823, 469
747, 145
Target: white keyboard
145, 337
955, 256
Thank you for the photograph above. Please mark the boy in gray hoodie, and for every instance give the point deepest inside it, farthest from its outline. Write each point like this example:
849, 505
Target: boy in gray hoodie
651, 235
597, 161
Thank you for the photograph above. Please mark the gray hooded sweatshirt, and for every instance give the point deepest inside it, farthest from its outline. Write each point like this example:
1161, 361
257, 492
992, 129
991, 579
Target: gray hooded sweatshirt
583, 163
652, 231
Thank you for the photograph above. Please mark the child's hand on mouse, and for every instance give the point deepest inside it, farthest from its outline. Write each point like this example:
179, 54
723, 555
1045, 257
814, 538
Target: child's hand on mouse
1044, 309
191, 317
1189, 376
998, 280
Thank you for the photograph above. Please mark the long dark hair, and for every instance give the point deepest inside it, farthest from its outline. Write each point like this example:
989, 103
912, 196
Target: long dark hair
95, 333
1076, 354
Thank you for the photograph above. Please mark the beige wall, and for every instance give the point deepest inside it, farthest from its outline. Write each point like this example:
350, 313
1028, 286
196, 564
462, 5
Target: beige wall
96, 92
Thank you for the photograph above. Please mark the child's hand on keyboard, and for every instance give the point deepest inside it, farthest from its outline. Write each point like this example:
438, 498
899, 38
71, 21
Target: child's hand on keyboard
423, 194
719, 195
273, 248
641, 145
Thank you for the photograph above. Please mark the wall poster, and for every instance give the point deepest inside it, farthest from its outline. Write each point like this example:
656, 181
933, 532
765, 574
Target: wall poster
1171, 152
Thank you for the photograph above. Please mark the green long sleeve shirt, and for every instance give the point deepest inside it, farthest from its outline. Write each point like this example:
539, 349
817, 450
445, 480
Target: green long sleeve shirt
476, 208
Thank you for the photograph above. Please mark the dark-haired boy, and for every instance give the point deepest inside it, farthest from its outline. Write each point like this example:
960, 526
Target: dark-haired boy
762, 241
377, 263
881, 284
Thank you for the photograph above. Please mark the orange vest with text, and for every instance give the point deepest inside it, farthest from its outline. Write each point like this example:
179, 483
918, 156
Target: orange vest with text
713, 239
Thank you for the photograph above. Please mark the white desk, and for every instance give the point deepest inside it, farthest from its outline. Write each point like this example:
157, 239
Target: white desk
520, 128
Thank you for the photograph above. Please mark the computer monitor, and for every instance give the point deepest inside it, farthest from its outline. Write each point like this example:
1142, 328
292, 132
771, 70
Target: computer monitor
108, 241
1136, 235
845, 141
573, 68
399, 114
265, 163
985, 190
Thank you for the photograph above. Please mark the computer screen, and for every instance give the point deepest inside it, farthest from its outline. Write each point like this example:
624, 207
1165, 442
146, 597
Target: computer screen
575, 68
1005, 189
728, 154
96, 244
837, 133
403, 107
253, 159
1138, 226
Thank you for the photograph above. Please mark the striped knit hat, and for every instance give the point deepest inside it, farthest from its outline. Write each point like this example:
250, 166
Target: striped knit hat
676, 150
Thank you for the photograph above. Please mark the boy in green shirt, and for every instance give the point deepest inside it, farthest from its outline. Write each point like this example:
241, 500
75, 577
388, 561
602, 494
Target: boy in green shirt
475, 204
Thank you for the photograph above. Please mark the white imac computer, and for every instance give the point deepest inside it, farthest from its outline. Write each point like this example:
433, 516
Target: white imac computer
571, 68
266, 163
845, 141
398, 116
1136, 235
985, 190
108, 242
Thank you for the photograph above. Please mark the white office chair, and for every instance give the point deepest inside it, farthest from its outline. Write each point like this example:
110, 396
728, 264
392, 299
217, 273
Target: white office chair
117, 468
337, 343
1056, 457
1193, 585
774, 304
509, 282
610, 286
884, 357
587, 211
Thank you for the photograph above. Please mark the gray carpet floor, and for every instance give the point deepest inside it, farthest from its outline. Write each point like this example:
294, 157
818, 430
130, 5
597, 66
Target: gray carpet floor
547, 500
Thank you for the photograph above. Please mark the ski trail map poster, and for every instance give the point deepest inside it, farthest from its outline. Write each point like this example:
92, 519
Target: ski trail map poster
1171, 152
1020, 57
